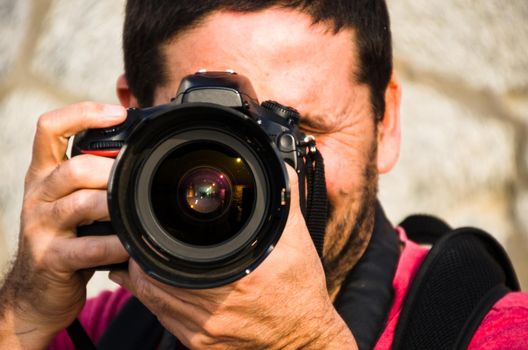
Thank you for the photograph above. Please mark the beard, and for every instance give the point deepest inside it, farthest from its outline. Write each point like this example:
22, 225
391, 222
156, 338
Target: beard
350, 226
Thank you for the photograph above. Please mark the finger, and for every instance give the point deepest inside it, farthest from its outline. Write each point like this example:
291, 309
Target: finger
199, 298
81, 207
84, 171
73, 254
162, 304
295, 217
165, 304
149, 286
295, 234
55, 127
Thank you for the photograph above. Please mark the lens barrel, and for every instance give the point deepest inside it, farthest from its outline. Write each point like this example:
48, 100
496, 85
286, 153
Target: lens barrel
197, 195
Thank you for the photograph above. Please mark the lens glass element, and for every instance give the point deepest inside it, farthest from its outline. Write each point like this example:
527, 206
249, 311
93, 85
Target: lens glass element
207, 191
202, 193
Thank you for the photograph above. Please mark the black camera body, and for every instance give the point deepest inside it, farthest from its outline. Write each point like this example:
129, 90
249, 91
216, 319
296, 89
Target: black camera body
199, 194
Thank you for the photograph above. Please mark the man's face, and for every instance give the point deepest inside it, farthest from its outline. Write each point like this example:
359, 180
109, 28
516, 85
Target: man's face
305, 66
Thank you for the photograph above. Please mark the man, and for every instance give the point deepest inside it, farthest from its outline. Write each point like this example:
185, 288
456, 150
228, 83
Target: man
331, 60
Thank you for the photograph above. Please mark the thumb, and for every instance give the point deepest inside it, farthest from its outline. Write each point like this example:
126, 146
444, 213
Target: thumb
295, 213
296, 232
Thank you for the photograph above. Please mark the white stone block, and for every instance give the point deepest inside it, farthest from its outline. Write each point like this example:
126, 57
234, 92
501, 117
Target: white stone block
521, 210
99, 283
19, 112
14, 17
481, 43
454, 162
80, 50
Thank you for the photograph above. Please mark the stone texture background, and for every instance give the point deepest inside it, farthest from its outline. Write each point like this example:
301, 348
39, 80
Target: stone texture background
464, 68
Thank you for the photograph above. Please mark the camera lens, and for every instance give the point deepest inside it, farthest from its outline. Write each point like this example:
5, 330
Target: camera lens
202, 193
207, 191
199, 195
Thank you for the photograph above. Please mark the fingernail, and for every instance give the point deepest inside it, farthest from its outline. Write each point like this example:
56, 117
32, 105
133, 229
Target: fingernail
114, 111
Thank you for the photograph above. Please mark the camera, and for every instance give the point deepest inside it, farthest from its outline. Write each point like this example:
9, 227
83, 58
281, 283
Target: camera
199, 193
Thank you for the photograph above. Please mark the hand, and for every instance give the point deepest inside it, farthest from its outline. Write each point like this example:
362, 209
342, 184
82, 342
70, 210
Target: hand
46, 288
282, 304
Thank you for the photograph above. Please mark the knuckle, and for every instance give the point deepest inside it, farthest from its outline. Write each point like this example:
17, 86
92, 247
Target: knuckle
82, 201
40, 262
45, 122
199, 341
42, 255
211, 342
212, 330
74, 169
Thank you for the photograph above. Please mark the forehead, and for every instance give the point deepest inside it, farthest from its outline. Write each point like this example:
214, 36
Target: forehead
286, 57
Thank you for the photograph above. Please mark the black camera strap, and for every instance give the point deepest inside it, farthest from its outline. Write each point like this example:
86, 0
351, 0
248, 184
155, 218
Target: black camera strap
316, 211
80, 339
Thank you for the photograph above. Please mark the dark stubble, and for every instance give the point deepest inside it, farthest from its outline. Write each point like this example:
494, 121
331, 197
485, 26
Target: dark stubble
349, 230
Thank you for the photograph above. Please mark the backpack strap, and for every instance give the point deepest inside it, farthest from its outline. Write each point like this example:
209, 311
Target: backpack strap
425, 229
461, 278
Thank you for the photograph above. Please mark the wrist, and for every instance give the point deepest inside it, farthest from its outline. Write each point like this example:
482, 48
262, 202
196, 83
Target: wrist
19, 333
338, 336
331, 332
22, 326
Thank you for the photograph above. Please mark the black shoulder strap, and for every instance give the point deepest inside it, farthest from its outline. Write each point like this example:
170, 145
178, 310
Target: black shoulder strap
135, 327
464, 274
425, 229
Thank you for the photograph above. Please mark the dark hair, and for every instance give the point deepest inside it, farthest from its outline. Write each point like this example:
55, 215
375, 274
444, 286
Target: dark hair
151, 23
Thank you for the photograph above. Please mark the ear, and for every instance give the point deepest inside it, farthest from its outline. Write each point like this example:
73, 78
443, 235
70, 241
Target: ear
389, 128
127, 99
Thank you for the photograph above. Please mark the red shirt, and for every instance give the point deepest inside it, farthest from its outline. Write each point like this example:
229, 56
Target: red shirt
504, 327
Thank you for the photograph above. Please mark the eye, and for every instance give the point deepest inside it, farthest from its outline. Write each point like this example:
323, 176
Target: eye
316, 124
311, 129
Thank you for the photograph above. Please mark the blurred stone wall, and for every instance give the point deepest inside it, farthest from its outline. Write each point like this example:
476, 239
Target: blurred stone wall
464, 68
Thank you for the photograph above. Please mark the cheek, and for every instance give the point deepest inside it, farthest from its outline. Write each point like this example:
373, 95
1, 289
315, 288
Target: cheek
344, 168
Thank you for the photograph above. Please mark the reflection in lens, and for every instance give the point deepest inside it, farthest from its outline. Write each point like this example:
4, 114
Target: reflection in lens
207, 190
203, 193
